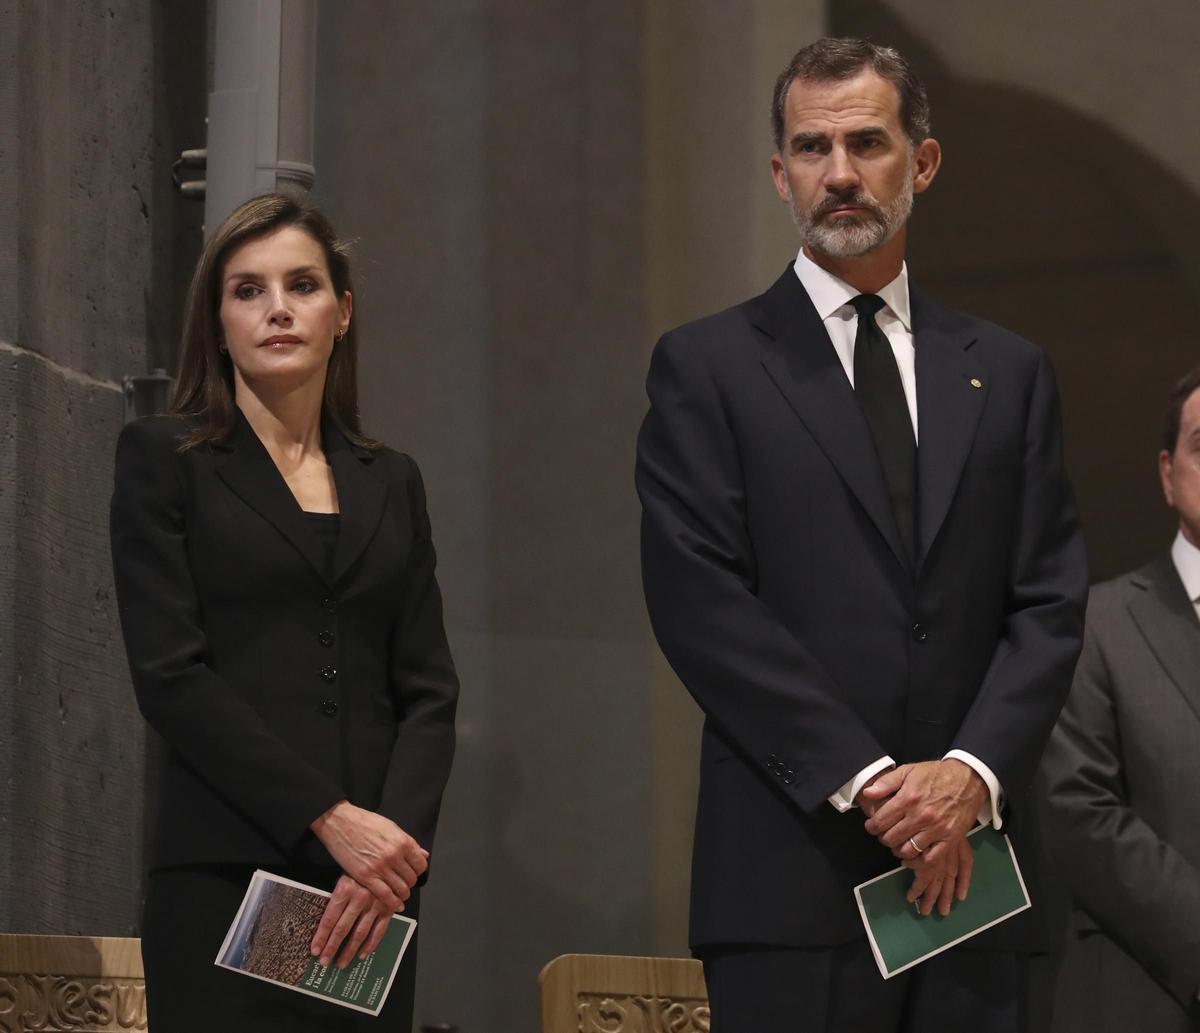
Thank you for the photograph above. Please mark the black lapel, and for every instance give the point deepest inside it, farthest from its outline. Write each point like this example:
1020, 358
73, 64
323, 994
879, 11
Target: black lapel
251, 472
806, 369
951, 392
1167, 620
362, 494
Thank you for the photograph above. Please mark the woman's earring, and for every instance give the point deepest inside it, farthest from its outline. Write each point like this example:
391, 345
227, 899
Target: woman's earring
339, 335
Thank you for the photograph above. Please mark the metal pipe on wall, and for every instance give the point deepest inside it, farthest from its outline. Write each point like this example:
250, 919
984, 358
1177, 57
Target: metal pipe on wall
260, 112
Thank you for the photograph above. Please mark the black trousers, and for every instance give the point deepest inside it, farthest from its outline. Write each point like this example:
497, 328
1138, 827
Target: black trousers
186, 915
762, 989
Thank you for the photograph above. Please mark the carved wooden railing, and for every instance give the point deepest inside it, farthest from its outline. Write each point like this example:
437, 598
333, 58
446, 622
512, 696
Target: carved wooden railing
80, 984
598, 993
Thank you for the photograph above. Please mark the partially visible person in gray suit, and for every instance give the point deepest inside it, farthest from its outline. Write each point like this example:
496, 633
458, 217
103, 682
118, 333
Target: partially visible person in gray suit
1124, 778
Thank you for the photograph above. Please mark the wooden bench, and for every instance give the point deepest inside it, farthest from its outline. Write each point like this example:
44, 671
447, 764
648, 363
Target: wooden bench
601, 993
81, 984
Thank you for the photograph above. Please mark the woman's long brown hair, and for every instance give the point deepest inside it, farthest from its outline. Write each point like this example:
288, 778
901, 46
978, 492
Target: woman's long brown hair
204, 389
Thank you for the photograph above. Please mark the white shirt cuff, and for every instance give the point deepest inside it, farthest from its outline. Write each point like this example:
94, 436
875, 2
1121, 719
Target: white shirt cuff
844, 798
989, 813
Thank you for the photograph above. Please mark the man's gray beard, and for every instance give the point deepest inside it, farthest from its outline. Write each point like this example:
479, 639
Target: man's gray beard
856, 235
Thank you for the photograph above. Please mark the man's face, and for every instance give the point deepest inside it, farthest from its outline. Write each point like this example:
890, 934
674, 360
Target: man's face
846, 168
1180, 471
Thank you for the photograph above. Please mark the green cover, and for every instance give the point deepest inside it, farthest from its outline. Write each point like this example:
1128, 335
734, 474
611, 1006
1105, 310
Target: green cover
901, 937
362, 983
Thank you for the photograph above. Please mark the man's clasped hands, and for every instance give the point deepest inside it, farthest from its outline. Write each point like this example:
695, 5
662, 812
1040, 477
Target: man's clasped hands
922, 813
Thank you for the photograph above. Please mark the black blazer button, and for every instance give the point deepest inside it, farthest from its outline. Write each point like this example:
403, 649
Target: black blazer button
326, 638
329, 673
330, 605
329, 707
919, 632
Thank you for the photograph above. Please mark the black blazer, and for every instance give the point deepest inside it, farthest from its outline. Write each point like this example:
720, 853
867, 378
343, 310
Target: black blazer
279, 687
780, 593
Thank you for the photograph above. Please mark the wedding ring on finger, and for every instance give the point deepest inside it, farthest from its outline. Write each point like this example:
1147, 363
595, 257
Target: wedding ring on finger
913, 844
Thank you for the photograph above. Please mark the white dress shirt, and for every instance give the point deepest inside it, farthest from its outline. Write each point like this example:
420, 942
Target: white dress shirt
1186, 558
831, 297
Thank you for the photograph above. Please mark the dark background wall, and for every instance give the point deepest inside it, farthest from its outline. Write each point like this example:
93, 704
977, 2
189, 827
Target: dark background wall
501, 267
536, 190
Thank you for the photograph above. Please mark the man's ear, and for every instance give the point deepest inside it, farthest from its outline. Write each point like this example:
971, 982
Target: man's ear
779, 176
1166, 467
927, 159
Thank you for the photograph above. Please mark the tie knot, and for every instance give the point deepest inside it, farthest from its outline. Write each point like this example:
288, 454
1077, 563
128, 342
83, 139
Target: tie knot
866, 305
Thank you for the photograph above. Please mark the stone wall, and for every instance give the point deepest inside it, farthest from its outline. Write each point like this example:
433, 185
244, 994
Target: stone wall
90, 242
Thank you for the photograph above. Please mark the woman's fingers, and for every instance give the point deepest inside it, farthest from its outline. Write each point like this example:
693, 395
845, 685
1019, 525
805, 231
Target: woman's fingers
329, 918
377, 933
357, 935
354, 923
356, 900
387, 887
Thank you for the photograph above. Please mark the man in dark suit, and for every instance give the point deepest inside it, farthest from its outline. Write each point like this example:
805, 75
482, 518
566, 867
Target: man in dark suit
1123, 766
860, 555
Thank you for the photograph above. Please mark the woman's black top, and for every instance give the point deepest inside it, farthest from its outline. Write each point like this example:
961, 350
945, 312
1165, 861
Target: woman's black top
326, 526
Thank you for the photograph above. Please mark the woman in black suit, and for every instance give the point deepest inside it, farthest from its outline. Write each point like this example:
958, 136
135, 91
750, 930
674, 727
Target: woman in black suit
275, 576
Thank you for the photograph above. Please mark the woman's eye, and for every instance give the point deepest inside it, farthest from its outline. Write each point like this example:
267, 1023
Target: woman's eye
245, 292
305, 286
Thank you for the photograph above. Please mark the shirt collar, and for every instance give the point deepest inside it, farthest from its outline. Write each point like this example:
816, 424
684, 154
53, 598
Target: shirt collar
1186, 558
829, 294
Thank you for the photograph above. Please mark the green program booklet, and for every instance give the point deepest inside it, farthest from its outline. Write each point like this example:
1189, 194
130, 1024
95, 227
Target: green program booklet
901, 938
269, 940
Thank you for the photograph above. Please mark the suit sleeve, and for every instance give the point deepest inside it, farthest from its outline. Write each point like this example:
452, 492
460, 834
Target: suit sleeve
1030, 672
754, 679
424, 688
198, 713
1139, 888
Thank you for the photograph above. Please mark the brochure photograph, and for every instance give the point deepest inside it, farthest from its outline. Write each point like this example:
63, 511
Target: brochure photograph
270, 936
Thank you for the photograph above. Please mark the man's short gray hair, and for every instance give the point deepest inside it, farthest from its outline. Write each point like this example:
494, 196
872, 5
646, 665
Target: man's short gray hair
832, 60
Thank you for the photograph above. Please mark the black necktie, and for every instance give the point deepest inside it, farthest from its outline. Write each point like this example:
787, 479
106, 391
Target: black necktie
881, 395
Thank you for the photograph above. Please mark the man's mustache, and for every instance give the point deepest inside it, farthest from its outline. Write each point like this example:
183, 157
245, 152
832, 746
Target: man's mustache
835, 201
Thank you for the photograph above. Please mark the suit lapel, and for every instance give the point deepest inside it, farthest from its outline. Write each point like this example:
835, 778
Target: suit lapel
1165, 617
251, 473
948, 409
362, 494
802, 362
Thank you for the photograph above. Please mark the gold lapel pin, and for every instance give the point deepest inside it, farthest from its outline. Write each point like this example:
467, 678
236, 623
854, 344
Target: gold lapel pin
976, 383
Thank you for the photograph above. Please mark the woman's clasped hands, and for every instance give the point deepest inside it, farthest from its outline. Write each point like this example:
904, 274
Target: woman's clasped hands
382, 864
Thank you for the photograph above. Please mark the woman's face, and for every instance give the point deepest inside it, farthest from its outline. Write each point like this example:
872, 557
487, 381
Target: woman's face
279, 312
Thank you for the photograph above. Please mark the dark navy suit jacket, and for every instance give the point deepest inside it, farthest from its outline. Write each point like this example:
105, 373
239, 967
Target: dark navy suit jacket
781, 595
